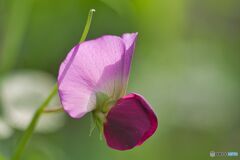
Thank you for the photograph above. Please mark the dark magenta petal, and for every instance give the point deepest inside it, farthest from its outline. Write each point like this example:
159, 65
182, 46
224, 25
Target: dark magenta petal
129, 123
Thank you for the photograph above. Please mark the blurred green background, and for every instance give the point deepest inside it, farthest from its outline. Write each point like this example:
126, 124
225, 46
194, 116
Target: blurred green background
186, 64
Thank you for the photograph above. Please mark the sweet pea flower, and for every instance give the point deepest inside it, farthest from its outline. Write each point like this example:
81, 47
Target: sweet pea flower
93, 78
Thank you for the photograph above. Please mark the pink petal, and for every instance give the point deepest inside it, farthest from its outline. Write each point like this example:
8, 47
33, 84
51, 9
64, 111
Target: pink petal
100, 65
129, 123
129, 40
90, 67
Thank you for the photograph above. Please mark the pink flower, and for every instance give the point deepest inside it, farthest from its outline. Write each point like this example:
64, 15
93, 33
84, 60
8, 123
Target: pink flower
93, 78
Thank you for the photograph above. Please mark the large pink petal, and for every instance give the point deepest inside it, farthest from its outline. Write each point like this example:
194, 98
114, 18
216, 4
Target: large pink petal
129, 123
91, 67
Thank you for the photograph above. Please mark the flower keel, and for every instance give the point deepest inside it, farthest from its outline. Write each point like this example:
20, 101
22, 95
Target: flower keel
129, 123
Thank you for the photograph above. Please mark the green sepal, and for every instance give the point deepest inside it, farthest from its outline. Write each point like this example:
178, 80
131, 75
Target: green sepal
98, 118
101, 99
92, 125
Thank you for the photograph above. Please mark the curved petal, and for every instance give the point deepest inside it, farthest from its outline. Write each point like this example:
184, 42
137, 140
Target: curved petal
90, 67
129, 40
129, 123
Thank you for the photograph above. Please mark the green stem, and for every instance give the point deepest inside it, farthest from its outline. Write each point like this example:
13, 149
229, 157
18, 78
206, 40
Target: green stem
29, 131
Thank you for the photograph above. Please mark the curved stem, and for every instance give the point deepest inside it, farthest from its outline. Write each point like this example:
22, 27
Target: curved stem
29, 131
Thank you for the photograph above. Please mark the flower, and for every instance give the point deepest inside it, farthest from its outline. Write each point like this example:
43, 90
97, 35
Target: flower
93, 78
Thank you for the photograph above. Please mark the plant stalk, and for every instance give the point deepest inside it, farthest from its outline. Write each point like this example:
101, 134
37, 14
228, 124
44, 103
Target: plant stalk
30, 129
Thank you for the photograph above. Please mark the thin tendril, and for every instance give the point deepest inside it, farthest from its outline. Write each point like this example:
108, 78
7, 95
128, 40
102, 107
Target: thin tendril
53, 110
87, 26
